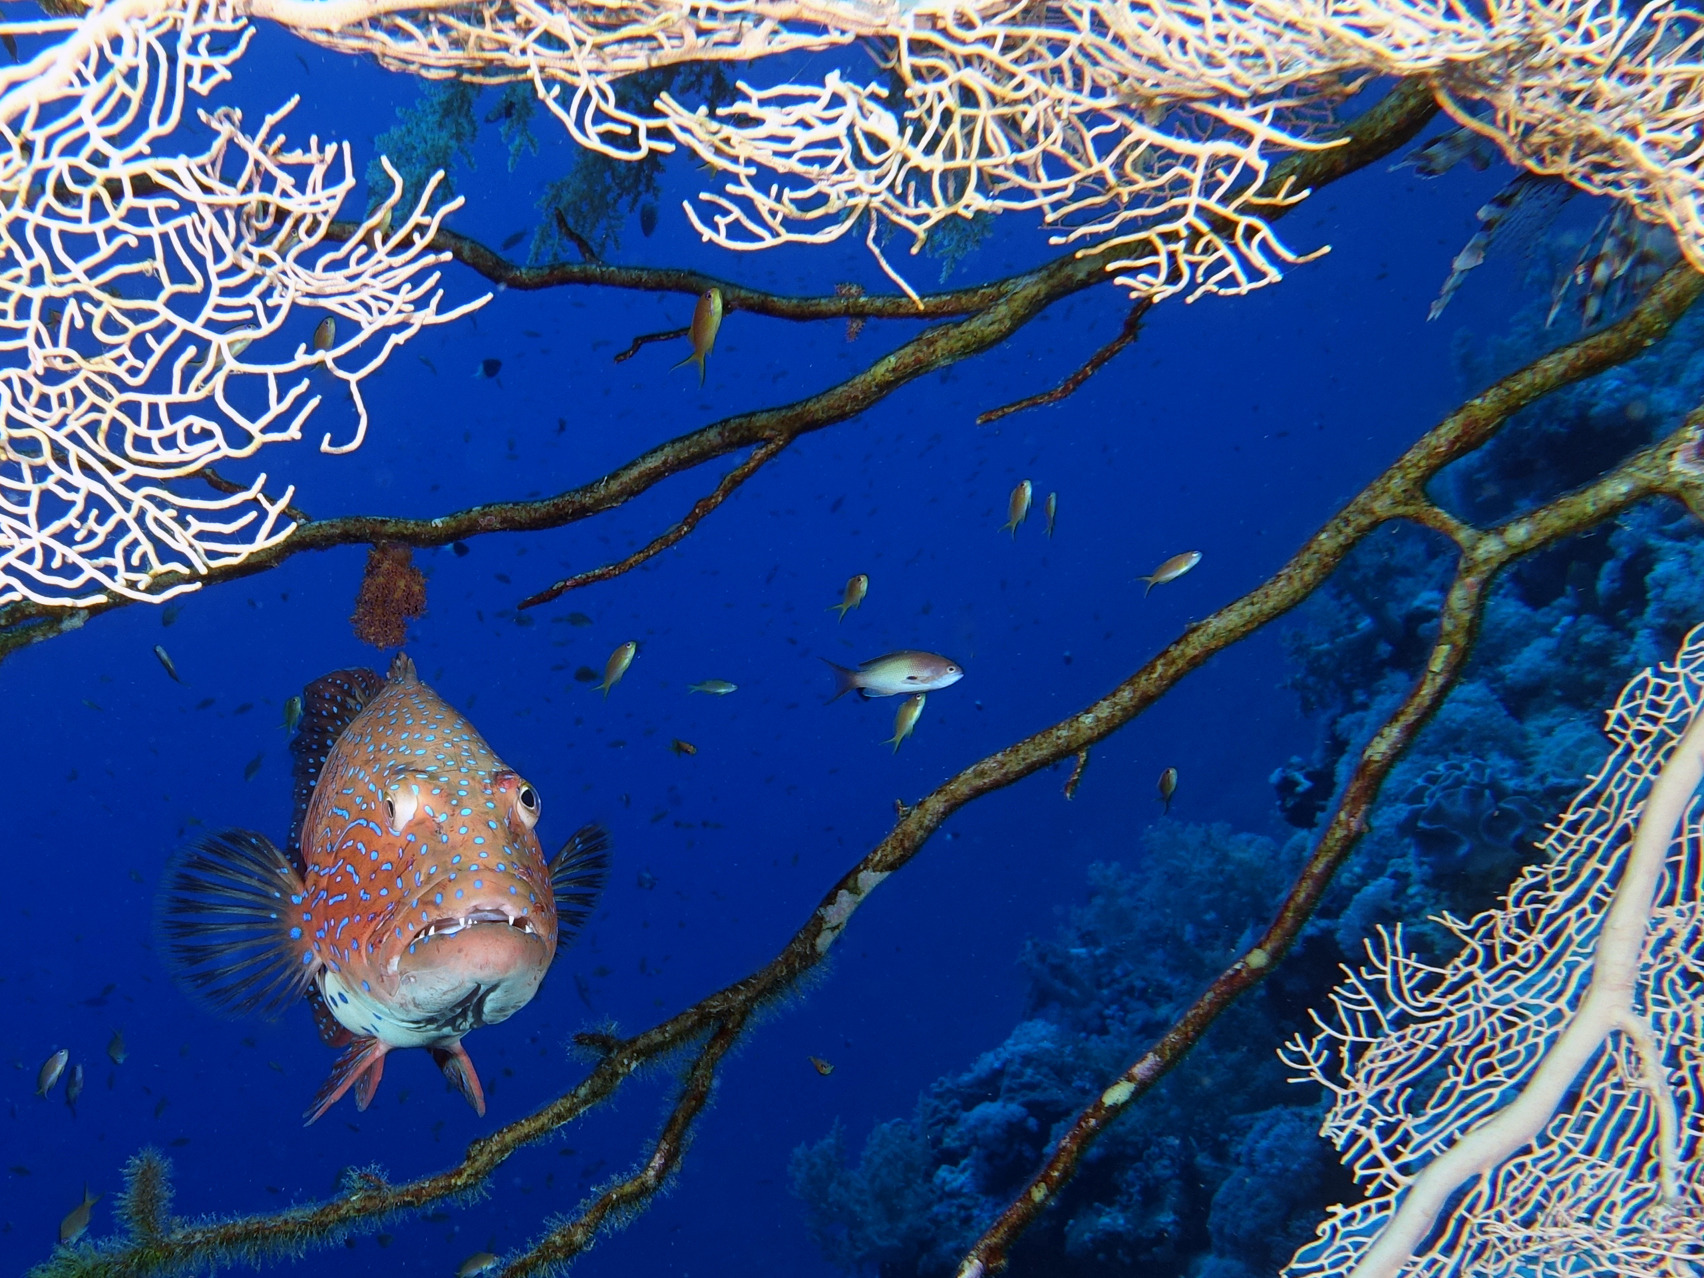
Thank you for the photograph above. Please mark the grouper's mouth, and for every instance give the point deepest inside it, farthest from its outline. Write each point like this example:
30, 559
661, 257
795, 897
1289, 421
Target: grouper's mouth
454, 924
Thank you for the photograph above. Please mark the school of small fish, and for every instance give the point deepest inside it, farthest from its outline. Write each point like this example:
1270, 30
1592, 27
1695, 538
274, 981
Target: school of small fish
393, 791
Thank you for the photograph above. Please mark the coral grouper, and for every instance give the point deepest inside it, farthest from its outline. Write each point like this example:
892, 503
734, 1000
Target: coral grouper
413, 902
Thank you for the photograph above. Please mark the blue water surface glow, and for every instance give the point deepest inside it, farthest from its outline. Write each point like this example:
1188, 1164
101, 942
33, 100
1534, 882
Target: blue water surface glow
1234, 427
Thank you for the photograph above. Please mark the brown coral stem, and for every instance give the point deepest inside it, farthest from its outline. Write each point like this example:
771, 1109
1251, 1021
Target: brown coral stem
572, 1238
644, 339
763, 453
1127, 334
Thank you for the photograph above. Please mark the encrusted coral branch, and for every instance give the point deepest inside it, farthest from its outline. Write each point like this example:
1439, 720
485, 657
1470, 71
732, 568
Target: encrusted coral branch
1127, 333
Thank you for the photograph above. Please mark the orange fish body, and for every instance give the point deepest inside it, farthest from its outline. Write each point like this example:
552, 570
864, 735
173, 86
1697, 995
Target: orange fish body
413, 904
1171, 570
706, 323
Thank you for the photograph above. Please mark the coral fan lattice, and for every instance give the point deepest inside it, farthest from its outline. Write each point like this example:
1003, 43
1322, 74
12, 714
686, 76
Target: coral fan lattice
1149, 123
1591, 966
144, 299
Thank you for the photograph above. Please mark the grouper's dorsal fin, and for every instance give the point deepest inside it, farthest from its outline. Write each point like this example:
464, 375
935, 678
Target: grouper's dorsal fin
329, 705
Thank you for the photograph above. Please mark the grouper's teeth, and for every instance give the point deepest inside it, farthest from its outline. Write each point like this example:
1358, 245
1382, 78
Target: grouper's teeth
449, 927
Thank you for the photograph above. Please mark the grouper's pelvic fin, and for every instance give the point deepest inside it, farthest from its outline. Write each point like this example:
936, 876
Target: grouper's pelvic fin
230, 922
361, 1066
453, 1059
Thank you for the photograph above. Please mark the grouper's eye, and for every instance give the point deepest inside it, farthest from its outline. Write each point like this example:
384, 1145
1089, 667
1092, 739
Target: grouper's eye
400, 806
529, 806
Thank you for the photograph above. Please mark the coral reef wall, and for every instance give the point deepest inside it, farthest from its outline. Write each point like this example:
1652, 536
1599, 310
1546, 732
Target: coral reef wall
1219, 1174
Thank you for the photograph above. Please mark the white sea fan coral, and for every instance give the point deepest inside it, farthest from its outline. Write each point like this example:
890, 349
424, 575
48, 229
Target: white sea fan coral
1534, 1106
156, 306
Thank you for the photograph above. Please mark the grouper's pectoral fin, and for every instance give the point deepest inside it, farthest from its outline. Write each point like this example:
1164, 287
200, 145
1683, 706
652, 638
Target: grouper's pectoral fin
453, 1060
361, 1066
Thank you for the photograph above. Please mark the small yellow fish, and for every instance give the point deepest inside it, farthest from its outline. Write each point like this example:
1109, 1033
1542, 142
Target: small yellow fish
1017, 509
50, 1071
682, 747
74, 1088
903, 722
1168, 787
706, 321
237, 341
481, 1262
166, 661
617, 665
116, 1050
1051, 510
325, 334
715, 687
856, 588
1172, 569
821, 1066
76, 1224
292, 713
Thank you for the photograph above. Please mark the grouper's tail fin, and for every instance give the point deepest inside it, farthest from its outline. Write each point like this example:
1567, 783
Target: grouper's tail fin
229, 921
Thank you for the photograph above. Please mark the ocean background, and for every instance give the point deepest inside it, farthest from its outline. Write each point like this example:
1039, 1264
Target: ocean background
1234, 427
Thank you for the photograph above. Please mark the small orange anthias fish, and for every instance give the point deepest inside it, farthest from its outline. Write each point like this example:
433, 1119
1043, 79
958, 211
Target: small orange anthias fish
412, 903
706, 322
1172, 569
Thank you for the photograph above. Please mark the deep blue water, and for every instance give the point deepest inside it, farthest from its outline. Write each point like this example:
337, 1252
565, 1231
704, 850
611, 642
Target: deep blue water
1234, 426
